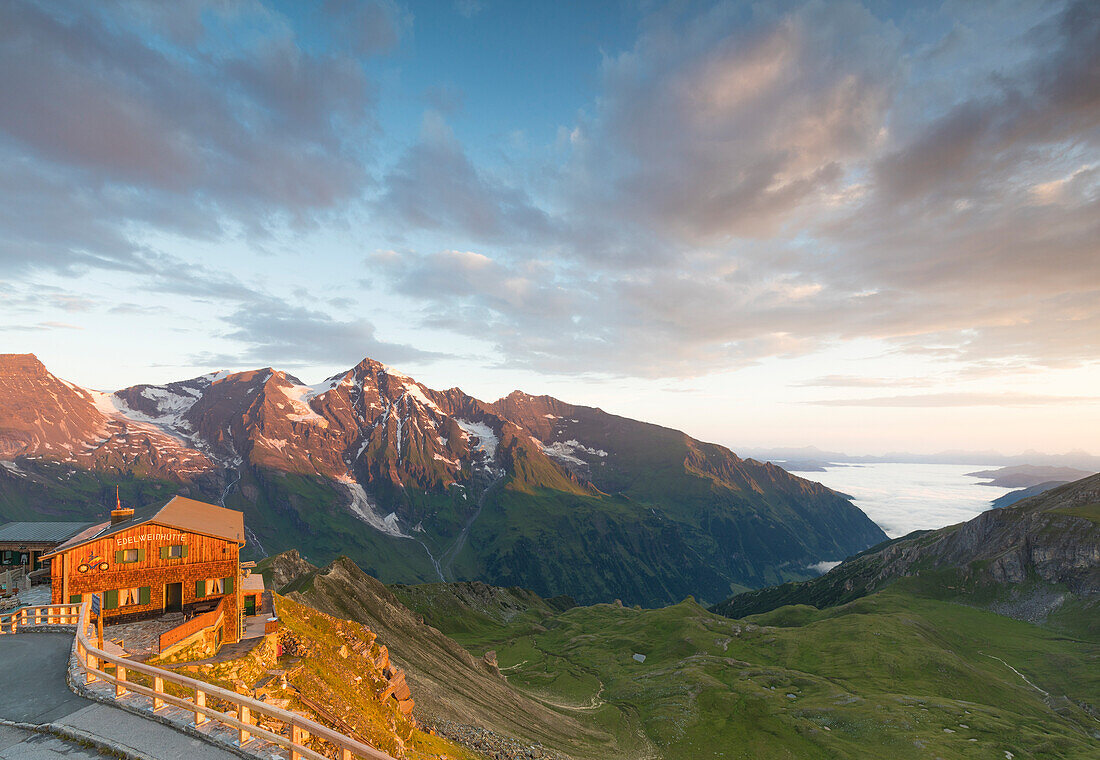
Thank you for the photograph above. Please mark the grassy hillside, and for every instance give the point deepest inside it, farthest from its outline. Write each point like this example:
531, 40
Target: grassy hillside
43, 490
893, 674
452, 688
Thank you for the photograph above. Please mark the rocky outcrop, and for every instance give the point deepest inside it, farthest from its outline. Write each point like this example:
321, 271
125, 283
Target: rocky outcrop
281, 569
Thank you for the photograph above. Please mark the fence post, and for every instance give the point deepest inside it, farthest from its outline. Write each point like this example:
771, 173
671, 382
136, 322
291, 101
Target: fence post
298, 736
200, 701
345, 753
38, 616
158, 688
90, 662
244, 715
120, 674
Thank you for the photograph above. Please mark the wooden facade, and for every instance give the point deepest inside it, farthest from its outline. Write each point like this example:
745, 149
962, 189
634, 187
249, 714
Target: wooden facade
150, 568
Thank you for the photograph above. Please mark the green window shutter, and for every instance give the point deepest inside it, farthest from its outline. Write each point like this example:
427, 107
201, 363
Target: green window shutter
141, 554
119, 557
110, 599
164, 552
229, 585
183, 552
200, 589
75, 599
143, 595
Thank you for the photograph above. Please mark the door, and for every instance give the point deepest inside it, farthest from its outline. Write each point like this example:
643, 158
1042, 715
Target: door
173, 597
250, 605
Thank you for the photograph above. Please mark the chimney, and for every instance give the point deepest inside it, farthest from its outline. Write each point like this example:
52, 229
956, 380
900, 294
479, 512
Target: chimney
120, 513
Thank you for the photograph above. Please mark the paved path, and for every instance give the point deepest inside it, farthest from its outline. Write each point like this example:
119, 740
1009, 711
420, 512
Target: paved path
33, 690
17, 744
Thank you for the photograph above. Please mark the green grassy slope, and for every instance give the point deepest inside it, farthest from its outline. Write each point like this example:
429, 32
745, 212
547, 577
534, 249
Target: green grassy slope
448, 683
673, 516
43, 490
893, 674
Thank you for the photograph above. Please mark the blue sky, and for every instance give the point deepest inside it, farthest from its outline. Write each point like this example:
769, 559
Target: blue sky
866, 226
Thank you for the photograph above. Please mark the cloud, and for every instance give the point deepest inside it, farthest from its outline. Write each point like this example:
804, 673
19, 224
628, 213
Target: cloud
274, 332
940, 400
469, 8
368, 27
755, 183
723, 124
750, 181
854, 381
40, 326
124, 116
1002, 131
435, 186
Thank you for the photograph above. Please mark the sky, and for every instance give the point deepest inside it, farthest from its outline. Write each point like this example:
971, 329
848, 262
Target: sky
865, 227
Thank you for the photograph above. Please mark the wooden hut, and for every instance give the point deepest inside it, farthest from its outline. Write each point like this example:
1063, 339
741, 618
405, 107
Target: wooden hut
183, 556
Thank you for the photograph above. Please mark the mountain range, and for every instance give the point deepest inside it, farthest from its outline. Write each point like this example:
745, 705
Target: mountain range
415, 484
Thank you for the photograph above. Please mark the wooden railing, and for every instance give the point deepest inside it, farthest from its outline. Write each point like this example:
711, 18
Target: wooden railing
36, 617
213, 619
207, 702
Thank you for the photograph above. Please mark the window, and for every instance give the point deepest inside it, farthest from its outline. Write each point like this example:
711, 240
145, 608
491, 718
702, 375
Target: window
176, 551
129, 555
125, 597
215, 586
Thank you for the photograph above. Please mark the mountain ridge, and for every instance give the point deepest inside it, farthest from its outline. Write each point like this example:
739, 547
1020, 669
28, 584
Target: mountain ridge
529, 491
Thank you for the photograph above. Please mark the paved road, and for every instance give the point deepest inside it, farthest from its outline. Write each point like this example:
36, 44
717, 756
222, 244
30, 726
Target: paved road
33, 677
17, 744
33, 690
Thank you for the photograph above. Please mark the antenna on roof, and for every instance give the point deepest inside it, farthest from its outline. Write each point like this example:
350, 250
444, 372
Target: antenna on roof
120, 513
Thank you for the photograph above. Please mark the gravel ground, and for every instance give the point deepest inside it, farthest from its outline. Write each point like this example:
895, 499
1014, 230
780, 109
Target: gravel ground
491, 744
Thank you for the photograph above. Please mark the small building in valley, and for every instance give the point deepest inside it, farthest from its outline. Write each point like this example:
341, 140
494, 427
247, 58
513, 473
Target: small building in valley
183, 556
23, 544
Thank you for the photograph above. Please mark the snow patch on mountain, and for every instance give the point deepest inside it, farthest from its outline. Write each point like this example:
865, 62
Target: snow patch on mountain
106, 403
13, 468
299, 397
414, 390
362, 508
323, 387
487, 440
566, 451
